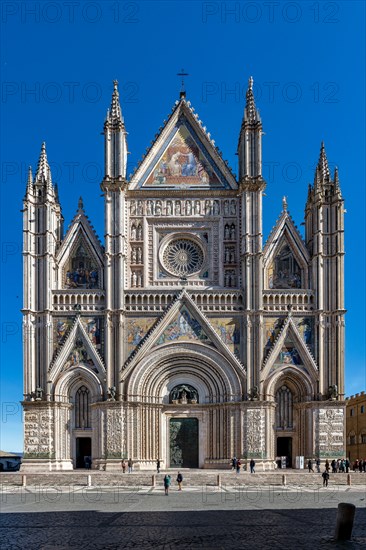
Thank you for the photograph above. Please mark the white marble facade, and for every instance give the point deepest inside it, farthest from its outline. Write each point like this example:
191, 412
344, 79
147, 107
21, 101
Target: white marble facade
182, 335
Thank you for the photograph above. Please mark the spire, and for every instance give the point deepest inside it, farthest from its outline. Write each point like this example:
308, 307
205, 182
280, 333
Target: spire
284, 204
251, 114
322, 169
80, 204
43, 174
30, 179
114, 114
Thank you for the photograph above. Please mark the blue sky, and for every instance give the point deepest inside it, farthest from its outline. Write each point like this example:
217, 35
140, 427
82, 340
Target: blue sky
57, 66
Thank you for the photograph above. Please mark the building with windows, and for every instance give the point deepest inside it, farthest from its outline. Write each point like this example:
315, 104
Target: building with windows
356, 426
182, 335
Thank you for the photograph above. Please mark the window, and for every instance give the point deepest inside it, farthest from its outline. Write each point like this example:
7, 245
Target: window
351, 412
363, 438
82, 416
362, 409
352, 440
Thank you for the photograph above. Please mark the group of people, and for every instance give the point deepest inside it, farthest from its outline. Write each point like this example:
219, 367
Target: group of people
168, 480
236, 465
359, 465
128, 464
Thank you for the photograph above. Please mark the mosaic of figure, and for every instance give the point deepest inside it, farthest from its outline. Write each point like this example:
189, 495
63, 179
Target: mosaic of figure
61, 327
306, 329
288, 355
272, 328
92, 328
82, 272
136, 330
79, 356
185, 327
183, 162
284, 272
229, 331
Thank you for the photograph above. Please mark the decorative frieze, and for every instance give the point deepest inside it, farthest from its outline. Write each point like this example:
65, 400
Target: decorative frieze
254, 441
329, 432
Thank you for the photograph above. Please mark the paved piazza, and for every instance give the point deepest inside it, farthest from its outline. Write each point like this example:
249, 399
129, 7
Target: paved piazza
240, 516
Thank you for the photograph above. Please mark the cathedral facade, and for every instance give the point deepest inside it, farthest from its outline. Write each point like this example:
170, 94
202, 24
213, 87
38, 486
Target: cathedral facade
182, 336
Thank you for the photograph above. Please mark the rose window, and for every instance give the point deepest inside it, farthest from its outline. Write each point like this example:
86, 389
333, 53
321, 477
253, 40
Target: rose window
183, 257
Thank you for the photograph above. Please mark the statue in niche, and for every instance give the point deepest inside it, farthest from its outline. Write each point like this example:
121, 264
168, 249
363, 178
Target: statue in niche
169, 208
197, 208
133, 208
226, 208
233, 208
149, 208
139, 255
139, 233
134, 279
188, 208
227, 256
133, 233
232, 232
139, 209
134, 256
158, 208
208, 209
184, 393
227, 232
232, 256
178, 209
216, 208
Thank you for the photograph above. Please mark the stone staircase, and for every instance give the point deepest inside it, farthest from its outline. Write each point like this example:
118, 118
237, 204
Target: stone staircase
192, 478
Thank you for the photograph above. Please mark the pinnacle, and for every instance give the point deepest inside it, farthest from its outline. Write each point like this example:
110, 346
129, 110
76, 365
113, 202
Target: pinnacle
43, 174
115, 112
30, 177
322, 170
80, 204
251, 113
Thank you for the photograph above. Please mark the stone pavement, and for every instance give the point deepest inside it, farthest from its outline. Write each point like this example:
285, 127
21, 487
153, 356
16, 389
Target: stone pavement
50, 518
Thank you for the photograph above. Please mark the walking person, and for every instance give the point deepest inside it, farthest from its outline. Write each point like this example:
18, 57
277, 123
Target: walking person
317, 464
334, 466
327, 465
325, 476
123, 464
167, 481
130, 465
252, 466
238, 464
158, 465
310, 465
233, 463
179, 481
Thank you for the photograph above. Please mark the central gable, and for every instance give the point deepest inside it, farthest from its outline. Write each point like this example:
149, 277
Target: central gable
184, 162
183, 156
184, 327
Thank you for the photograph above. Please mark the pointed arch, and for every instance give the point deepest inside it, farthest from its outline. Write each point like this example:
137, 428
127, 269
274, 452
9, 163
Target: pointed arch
67, 383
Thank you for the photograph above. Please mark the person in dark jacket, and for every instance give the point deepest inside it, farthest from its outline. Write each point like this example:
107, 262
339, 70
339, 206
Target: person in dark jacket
179, 481
325, 477
252, 465
310, 465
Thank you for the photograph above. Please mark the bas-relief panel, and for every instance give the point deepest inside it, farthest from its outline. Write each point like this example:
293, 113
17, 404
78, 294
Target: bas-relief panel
183, 163
184, 327
136, 331
229, 331
284, 271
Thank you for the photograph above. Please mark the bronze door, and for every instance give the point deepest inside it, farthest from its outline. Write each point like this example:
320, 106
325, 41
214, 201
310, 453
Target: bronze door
183, 442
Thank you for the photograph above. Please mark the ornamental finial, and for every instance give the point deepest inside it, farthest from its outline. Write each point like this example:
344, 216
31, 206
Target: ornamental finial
284, 203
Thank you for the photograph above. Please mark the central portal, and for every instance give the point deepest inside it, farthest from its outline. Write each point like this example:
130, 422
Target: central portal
183, 442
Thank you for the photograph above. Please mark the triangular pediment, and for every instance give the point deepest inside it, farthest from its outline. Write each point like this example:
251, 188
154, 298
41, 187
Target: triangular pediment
80, 256
77, 351
183, 156
289, 350
182, 322
285, 257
